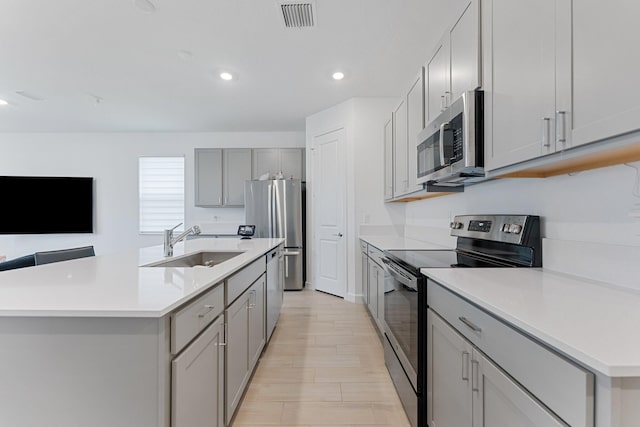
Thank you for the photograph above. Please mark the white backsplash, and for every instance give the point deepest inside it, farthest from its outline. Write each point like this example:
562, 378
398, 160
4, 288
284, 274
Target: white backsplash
609, 263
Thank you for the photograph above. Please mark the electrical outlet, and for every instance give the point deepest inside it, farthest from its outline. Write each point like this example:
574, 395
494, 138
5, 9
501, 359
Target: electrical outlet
367, 218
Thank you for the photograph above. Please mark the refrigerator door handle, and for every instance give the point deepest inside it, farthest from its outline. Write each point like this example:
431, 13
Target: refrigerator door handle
270, 209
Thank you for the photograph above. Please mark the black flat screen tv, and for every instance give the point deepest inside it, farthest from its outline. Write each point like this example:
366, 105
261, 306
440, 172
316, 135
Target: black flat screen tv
46, 205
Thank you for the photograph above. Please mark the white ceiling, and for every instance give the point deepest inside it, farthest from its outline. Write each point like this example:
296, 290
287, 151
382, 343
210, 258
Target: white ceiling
69, 52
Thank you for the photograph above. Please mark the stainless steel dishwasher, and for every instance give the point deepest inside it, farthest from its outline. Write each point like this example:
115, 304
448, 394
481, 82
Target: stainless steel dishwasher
275, 287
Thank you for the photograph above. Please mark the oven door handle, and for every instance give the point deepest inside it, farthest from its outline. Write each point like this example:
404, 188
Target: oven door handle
407, 279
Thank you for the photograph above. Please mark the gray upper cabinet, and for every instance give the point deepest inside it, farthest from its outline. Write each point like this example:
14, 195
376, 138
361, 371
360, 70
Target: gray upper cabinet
454, 66
400, 160
437, 81
464, 51
208, 173
236, 170
289, 161
605, 62
527, 59
388, 160
292, 162
415, 124
220, 175
265, 160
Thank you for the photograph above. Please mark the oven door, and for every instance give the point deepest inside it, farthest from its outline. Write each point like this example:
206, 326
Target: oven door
401, 318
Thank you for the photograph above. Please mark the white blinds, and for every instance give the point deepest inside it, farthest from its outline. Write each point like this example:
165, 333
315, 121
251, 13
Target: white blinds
161, 193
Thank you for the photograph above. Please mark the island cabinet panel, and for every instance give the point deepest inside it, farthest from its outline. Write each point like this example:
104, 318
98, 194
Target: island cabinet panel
256, 321
79, 371
193, 317
198, 381
237, 358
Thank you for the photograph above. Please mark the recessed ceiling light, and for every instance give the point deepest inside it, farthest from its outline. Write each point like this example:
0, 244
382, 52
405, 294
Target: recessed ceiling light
3, 102
145, 5
226, 76
338, 75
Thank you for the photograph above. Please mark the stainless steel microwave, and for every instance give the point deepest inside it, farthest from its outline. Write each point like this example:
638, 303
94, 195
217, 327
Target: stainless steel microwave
451, 147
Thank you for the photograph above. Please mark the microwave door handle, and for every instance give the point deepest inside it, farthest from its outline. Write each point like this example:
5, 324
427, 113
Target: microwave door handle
443, 128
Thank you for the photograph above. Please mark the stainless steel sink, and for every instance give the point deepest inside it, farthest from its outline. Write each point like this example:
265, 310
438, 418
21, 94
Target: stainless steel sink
204, 258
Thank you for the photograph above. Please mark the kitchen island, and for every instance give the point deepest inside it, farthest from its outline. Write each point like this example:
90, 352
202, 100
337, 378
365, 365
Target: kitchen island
102, 341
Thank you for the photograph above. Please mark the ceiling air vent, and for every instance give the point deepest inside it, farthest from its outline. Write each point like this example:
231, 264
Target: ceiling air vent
298, 14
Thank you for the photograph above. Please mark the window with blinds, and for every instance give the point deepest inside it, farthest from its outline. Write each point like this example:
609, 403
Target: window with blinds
161, 193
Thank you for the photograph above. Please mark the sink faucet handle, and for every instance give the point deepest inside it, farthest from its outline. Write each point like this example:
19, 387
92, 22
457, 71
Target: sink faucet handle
176, 227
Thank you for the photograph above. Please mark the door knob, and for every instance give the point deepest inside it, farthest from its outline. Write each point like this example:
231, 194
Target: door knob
338, 235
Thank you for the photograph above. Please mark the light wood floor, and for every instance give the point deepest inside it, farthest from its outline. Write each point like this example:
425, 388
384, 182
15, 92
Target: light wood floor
323, 366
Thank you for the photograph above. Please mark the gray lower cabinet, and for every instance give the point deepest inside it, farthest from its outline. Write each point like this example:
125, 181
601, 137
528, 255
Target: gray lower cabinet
246, 338
483, 372
365, 277
466, 389
372, 304
197, 381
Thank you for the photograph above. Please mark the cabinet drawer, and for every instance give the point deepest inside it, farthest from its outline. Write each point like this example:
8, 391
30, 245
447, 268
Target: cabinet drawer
375, 254
564, 387
240, 281
192, 318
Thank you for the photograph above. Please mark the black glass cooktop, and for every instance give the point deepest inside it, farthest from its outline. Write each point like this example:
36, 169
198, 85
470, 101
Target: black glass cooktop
413, 261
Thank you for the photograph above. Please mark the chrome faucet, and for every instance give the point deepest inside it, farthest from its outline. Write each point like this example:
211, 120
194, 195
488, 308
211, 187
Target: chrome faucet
169, 240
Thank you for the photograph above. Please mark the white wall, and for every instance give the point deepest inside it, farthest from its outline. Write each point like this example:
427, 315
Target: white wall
589, 206
112, 159
363, 120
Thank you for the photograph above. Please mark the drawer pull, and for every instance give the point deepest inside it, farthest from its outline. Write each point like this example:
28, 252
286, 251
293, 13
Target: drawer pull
209, 307
471, 326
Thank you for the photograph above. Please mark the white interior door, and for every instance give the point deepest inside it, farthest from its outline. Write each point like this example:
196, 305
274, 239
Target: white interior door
329, 190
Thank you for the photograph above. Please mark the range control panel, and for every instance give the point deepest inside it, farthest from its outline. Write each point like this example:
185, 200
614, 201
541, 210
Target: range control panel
500, 228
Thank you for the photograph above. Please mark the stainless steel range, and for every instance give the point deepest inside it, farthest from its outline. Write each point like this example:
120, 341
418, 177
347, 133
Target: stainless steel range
484, 241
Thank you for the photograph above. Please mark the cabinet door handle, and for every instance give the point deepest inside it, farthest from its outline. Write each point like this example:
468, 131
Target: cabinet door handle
465, 365
219, 200
546, 131
561, 121
471, 326
254, 299
475, 375
225, 337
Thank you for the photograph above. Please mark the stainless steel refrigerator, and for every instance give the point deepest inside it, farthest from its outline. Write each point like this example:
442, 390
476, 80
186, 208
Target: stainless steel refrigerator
276, 208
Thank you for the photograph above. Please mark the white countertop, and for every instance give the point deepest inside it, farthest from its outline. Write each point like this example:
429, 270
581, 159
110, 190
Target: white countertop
593, 323
399, 243
116, 286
